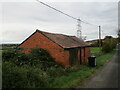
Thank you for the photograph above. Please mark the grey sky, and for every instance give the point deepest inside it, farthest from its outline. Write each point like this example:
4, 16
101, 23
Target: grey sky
20, 19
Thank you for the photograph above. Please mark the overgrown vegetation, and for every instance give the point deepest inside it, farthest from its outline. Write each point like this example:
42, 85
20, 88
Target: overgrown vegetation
109, 45
38, 69
8, 46
32, 70
23, 76
37, 57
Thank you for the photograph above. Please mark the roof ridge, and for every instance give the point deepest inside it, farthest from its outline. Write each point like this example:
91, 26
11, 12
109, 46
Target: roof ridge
64, 41
54, 33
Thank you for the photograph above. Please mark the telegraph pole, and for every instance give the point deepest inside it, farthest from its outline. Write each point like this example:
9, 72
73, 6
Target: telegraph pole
79, 32
100, 42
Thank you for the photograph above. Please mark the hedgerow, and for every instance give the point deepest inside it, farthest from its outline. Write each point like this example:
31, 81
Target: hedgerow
32, 70
23, 76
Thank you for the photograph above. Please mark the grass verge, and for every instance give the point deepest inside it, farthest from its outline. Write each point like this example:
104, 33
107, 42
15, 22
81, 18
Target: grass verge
81, 73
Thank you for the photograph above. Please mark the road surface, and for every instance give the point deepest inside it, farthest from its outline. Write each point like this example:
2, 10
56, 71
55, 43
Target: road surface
107, 77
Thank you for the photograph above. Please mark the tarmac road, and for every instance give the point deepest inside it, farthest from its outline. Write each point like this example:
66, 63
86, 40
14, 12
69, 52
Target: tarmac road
107, 77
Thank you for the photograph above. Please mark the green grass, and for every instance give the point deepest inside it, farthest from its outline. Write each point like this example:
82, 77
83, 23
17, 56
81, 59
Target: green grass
81, 73
101, 60
0, 50
73, 78
95, 50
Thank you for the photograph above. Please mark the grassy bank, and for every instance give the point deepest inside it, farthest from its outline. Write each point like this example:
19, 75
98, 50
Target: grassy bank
95, 51
82, 72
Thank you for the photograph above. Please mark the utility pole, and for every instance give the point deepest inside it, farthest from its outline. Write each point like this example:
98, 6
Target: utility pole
100, 42
79, 33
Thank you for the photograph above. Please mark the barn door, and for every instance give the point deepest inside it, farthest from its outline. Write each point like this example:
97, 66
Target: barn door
83, 55
73, 59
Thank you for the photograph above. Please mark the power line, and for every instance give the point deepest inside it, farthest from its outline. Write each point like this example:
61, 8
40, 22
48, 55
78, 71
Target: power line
65, 13
89, 23
57, 10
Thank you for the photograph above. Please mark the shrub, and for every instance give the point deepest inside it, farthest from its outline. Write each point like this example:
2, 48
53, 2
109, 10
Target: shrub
23, 76
8, 55
11, 76
109, 45
41, 57
30, 70
114, 43
106, 47
55, 72
69, 69
15, 56
37, 57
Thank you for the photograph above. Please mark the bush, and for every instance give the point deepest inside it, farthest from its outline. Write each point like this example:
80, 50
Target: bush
8, 55
55, 72
41, 57
106, 47
109, 45
32, 70
37, 57
114, 43
23, 76
15, 56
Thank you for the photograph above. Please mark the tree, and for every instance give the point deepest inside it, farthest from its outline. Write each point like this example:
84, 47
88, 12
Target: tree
109, 45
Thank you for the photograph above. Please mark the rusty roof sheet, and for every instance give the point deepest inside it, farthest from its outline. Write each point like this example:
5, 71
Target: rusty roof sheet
64, 41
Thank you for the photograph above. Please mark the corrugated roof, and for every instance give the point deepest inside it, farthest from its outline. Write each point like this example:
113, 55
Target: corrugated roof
64, 41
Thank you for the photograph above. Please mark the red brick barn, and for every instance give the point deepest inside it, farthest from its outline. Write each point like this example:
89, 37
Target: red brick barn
66, 50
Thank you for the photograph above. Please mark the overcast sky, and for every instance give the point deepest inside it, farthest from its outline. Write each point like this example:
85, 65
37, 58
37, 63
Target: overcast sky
21, 19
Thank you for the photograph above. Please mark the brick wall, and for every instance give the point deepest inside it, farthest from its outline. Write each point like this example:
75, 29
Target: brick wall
61, 56
38, 40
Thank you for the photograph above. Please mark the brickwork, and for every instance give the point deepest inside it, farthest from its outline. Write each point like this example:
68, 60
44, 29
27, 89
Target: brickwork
38, 40
61, 56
